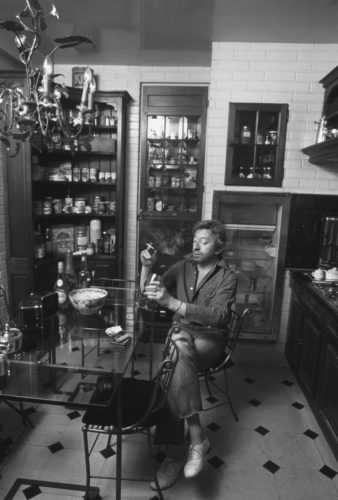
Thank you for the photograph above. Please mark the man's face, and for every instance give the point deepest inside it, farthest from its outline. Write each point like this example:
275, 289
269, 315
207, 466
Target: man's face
204, 246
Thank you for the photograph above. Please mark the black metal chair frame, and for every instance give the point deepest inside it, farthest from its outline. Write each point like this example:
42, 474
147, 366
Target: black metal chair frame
160, 386
208, 375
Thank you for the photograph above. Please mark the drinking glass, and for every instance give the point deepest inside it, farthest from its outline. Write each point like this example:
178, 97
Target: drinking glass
146, 303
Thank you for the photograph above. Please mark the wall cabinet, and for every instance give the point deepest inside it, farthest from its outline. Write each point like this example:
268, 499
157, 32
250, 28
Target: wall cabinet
68, 189
312, 351
256, 144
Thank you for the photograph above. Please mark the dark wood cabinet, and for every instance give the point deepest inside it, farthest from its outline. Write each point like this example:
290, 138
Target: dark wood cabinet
256, 144
324, 151
312, 351
38, 182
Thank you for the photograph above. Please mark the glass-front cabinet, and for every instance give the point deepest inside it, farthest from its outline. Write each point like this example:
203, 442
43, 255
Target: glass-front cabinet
256, 143
256, 227
173, 122
172, 151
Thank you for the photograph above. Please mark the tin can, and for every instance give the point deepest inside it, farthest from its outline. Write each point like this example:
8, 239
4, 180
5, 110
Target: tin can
3, 369
113, 177
102, 177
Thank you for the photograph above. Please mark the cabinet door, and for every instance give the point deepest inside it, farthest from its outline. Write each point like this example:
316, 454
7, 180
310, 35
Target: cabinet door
328, 391
255, 249
294, 335
310, 353
256, 143
172, 152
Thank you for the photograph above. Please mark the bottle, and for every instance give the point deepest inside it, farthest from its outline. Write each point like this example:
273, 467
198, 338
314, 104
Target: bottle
113, 241
60, 287
40, 250
48, 242
3, 370
106, 243
84, 279
69, 273
245, 135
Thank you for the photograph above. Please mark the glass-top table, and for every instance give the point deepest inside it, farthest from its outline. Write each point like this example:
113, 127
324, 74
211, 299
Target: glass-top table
68, 360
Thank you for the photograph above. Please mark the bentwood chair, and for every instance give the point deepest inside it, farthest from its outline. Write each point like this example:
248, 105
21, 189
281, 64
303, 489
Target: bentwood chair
141, 405
225, 362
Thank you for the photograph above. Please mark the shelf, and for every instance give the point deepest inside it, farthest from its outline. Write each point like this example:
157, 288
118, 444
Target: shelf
73, 183
72, 216
323, 152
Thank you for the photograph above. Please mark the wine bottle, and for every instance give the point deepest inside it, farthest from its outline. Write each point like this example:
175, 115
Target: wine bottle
69, 273
84, 277
60, 287
48, 242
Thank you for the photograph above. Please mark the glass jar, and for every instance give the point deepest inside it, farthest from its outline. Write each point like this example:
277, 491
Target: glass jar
81, 238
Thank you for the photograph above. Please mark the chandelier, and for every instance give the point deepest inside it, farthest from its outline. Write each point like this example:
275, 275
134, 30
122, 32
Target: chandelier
36, 108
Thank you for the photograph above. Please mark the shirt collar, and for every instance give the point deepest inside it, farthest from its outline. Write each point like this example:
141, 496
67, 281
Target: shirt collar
220, 262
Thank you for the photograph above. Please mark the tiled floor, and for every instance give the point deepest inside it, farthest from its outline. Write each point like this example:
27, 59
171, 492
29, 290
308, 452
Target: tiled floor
275, 452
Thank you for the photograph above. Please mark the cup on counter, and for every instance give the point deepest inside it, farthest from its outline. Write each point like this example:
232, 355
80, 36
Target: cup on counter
318, 274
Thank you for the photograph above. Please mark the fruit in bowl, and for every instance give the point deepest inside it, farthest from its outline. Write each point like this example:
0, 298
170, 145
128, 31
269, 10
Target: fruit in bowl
88, 300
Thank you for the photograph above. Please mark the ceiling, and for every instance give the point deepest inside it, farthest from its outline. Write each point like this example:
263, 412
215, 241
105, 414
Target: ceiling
174, 32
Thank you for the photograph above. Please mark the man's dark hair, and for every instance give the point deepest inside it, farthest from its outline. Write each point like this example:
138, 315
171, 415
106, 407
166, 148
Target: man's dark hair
217, 228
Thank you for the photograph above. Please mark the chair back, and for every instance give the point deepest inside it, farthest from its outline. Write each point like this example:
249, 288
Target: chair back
233, 331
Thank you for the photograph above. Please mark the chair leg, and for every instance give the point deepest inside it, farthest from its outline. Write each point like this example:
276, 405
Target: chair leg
228, 396
150, 449
87, 453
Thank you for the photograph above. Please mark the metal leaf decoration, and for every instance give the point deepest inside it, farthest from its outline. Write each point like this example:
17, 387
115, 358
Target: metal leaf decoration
5, 142
23, 136
35, 4
72, 41
11, 26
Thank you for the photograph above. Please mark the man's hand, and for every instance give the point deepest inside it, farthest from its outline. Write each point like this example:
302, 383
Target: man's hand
147, 258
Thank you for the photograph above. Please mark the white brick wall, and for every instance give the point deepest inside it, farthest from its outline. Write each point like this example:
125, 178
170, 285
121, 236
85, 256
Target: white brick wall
283, 73
277, 73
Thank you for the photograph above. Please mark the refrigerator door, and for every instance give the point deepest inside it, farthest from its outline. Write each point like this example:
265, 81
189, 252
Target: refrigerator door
256, 228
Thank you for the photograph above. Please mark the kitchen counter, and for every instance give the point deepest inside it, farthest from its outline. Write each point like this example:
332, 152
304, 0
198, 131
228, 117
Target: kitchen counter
312, 348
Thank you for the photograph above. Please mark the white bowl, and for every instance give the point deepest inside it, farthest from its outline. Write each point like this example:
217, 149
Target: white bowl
88, 300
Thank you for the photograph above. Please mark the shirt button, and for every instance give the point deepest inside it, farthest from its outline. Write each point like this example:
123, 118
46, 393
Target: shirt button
191, 288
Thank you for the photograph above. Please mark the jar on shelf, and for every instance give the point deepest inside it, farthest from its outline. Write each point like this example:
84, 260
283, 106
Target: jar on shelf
81, 238
76, 174
93, 174
57, 206
85, 174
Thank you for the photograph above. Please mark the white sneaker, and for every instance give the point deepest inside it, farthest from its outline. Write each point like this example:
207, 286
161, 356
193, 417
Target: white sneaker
196, 458
168, 473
